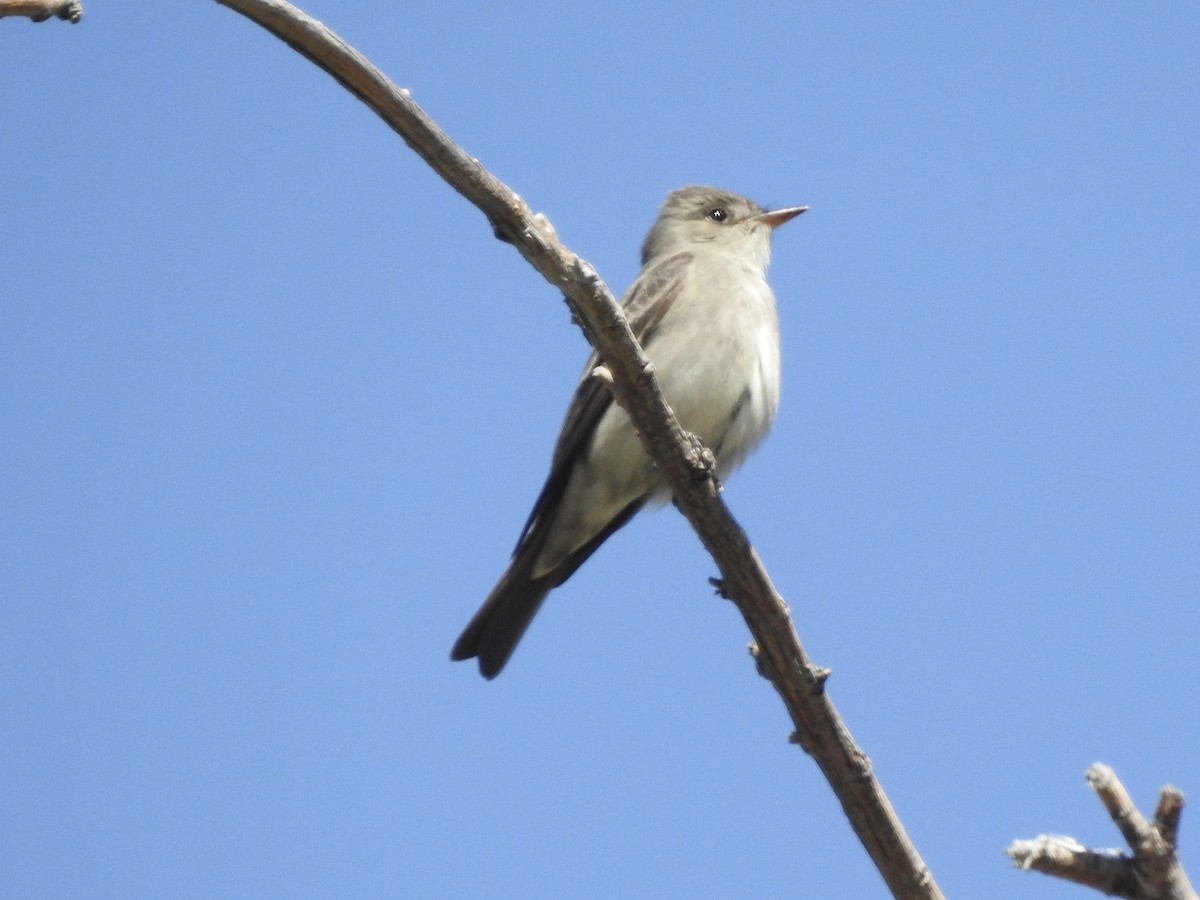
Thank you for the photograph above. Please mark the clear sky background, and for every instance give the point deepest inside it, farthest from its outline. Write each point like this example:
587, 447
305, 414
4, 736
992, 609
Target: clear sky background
274, 405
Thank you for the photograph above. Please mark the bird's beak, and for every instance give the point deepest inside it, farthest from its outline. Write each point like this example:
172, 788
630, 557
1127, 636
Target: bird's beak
777, 217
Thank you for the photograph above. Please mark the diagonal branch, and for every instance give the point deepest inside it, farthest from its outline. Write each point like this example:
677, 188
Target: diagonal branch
777, 650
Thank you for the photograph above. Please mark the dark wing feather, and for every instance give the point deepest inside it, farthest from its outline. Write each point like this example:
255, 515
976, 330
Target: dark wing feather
645, 304
496, 628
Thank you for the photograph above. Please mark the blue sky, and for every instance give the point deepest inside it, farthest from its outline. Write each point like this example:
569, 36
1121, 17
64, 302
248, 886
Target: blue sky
275, 405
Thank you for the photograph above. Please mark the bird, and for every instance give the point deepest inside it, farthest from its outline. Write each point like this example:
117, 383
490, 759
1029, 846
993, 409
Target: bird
705, 316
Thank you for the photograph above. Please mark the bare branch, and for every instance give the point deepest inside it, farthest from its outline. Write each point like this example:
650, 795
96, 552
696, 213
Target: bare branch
1064, 857
1135, 828
41, 10
1153, 871
779, 655
1166, 816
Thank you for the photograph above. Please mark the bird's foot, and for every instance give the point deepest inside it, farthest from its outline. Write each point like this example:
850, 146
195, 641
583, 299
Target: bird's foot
704, 464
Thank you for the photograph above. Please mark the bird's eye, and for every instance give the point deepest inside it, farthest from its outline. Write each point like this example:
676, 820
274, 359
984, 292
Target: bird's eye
718, 214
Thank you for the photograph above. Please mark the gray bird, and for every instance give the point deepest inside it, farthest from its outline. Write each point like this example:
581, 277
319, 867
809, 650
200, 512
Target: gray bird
702, 310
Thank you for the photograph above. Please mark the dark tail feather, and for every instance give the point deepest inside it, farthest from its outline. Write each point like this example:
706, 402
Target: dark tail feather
493, 633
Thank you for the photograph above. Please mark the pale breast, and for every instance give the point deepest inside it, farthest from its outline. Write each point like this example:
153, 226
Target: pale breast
722, 379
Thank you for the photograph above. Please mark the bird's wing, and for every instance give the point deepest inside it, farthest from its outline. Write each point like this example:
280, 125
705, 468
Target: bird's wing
645, 304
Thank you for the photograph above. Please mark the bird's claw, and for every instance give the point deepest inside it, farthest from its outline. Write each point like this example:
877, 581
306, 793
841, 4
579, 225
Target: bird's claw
704, 464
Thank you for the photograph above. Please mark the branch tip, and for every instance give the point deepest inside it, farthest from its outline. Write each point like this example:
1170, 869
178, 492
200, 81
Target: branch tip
41, 10
1168, 813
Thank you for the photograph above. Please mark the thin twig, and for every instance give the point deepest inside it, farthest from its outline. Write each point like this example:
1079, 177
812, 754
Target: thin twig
779, 655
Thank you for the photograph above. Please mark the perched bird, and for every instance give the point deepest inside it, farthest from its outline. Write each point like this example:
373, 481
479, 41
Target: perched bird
702, 310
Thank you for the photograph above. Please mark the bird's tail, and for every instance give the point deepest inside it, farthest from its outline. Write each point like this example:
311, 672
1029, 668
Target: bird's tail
493, 633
